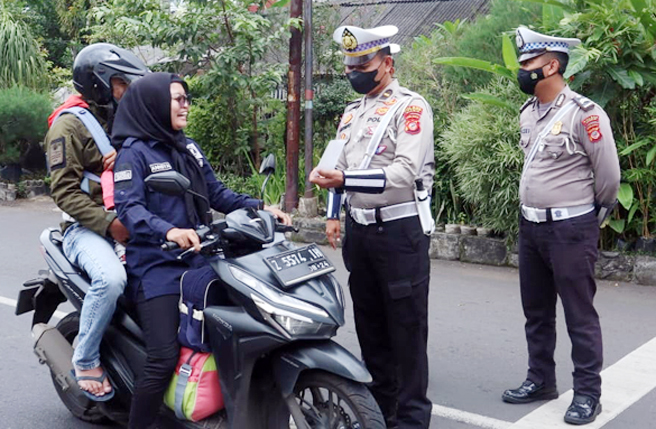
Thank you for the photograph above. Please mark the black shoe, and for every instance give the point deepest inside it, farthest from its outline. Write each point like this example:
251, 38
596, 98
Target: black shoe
529, 392
582, 410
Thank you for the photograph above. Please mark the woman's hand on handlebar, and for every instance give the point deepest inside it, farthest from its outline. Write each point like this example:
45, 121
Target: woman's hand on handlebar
185, 238
282, 217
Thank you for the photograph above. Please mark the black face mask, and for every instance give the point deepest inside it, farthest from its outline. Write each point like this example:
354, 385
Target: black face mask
528, 79
363, 82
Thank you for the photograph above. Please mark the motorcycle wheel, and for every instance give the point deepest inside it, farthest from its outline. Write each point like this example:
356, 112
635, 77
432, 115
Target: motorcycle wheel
82, 408
328, 401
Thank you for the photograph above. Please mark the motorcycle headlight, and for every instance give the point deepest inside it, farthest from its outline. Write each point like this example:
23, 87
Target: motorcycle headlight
273, 294
291, 324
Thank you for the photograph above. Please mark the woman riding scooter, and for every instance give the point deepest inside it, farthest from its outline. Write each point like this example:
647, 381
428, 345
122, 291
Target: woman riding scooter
148, 129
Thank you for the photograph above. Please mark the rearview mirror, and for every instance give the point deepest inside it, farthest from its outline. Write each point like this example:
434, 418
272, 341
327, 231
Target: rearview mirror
268, 165
168, 182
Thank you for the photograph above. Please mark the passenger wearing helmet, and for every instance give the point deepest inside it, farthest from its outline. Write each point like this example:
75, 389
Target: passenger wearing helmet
75, 144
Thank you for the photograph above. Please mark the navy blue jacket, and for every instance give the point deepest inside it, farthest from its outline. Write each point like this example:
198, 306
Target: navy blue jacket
149, 215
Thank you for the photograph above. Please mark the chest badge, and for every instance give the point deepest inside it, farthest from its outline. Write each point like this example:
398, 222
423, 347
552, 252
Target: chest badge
557, 128
382, 110
380, 149
347, 118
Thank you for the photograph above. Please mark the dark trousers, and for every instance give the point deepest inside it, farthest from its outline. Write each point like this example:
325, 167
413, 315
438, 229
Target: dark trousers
159, 320
389, 279
557, 259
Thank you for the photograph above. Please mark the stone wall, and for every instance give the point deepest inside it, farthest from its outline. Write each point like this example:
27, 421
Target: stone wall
33, 188
613, 266
8, 192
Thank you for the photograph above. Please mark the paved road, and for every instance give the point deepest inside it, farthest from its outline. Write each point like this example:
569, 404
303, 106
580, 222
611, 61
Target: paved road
476, 344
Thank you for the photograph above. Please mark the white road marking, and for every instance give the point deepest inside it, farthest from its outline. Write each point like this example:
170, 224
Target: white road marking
623, 384
12, 303
469, 418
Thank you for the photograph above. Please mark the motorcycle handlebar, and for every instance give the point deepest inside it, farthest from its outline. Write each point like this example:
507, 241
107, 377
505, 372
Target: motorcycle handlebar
285, 228
170, 245
203, 231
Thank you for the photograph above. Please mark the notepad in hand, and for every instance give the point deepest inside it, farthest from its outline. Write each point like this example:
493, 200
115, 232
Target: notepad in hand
331, 155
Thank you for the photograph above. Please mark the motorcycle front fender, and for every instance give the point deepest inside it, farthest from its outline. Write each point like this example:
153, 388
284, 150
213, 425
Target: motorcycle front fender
323, 355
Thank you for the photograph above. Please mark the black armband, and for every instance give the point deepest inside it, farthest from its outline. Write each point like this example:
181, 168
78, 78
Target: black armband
365, 181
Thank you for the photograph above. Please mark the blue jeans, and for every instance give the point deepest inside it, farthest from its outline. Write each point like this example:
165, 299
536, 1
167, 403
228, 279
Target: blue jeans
95, 255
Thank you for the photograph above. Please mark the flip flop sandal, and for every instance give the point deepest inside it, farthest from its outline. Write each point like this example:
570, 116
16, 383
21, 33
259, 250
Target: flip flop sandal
100, 379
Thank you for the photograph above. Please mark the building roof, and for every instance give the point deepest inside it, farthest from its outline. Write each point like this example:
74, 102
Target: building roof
412, 17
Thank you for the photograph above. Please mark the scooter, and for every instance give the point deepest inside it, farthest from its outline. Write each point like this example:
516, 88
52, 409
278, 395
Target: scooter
272, 344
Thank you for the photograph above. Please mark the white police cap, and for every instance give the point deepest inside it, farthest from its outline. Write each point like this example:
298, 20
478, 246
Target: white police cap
360, 45
532, 44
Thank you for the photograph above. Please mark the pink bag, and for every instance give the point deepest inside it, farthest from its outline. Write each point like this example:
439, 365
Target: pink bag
194, 392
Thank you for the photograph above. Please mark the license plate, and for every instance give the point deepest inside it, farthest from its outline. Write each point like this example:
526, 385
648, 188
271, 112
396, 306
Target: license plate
298, 265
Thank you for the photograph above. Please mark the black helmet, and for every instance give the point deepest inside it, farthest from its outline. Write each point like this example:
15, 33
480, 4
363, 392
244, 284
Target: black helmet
96, 64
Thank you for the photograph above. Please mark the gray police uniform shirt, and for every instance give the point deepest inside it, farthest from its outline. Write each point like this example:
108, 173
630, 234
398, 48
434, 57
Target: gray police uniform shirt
578, 164
405, 151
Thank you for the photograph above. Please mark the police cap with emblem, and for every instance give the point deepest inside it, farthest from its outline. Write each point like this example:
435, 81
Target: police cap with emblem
360, 45
532, 44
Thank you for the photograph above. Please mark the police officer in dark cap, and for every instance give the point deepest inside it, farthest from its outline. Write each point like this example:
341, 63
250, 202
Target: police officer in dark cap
387, 156
568, 186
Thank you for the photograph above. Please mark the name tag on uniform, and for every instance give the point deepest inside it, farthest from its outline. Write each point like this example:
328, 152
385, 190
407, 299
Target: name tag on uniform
160, 166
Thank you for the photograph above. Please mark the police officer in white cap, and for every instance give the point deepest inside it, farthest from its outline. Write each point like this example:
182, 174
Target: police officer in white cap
568, 186
389, 147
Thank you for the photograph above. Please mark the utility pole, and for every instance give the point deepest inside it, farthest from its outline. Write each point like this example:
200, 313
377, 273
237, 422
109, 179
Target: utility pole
309, 96
293, 109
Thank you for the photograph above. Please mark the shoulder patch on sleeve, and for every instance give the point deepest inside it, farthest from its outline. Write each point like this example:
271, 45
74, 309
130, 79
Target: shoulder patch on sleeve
57, 153
123, 176
591, 124
412, 115
528, 102
584, 103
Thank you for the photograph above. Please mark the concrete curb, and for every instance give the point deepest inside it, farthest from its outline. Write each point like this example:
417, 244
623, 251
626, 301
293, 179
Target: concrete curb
612, 266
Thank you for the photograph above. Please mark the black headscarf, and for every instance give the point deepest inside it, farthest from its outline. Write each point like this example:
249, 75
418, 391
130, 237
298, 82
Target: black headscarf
145, 114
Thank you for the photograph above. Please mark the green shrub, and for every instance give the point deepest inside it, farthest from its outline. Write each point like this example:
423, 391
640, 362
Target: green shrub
331, 99
240, 184
444, 86
252, 184
23, 121
211, 125
481, 146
